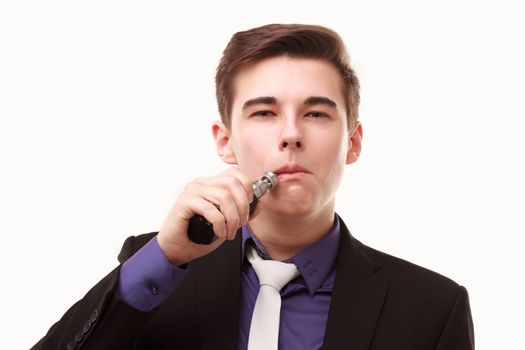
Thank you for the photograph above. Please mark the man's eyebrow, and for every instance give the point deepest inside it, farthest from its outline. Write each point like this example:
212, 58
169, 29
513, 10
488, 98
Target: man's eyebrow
320, 100
264, 100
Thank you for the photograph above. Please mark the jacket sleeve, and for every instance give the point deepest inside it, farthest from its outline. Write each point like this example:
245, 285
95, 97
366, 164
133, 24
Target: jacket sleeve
100, 320
458, 333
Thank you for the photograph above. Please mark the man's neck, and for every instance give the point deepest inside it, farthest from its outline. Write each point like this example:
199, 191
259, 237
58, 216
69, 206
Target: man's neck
284, 237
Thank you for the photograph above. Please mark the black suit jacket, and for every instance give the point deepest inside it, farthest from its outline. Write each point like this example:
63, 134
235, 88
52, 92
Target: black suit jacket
379, 302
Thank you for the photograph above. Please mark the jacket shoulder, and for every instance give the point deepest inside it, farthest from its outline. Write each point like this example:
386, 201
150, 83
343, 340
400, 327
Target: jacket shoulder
420, 299
400, 272
413, 287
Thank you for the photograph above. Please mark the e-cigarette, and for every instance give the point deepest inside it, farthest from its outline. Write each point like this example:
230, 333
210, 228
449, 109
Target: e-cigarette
201, 231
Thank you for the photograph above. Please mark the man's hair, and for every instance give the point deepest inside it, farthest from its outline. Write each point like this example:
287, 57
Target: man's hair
293, 40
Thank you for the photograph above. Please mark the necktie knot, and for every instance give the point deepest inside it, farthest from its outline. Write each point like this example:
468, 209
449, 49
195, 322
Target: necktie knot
272, 273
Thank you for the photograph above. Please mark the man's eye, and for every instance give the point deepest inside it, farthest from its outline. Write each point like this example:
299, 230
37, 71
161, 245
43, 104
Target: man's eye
263, 114
316, 114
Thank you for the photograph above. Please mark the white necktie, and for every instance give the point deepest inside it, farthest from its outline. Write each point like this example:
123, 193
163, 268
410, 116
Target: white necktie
273, 275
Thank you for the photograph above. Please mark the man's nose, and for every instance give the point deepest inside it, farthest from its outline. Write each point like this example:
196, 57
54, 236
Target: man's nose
292, 135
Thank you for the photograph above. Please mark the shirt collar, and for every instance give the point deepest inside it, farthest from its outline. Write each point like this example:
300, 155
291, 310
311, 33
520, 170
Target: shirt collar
314, 262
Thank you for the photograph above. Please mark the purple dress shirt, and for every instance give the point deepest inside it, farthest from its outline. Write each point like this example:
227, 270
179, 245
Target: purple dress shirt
147, 278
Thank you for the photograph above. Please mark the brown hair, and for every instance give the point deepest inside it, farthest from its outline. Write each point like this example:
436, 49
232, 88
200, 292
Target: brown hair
294, 40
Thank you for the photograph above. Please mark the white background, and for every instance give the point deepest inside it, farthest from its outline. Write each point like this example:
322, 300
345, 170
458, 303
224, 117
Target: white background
106, 108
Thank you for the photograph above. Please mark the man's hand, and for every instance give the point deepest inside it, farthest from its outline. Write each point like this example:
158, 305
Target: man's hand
223, 200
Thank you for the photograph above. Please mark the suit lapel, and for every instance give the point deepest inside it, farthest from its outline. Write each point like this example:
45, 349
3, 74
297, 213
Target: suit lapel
218, 288
357, 298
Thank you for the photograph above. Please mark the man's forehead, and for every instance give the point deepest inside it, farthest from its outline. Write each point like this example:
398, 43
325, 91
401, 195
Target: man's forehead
277, 75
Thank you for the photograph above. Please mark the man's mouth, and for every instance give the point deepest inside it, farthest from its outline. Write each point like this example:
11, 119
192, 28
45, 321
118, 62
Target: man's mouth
291, 172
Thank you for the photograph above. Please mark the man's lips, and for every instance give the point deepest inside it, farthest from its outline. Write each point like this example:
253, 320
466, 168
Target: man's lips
291, 172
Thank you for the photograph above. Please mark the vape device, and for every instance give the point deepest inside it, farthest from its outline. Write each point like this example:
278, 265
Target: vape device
201, 231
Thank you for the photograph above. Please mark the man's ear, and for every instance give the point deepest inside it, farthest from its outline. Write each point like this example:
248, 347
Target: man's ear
354, 143
221, 135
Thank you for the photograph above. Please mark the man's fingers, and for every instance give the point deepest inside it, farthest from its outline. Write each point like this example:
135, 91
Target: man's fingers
240, 193
211, 213
225, 202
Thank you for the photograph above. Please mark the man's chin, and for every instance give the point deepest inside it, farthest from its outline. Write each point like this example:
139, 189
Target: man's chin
292, 209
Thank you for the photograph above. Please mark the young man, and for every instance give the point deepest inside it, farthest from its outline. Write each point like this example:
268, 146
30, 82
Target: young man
288, 101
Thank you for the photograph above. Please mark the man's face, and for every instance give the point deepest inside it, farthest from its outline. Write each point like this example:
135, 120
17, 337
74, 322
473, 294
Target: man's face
288, 117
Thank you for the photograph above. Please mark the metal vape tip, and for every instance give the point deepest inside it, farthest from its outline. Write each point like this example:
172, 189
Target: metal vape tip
271, 177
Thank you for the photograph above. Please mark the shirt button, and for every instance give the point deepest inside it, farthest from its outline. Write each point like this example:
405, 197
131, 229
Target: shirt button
154, 289
71, 345
93, 317
312, 272
79, 337
86, 327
